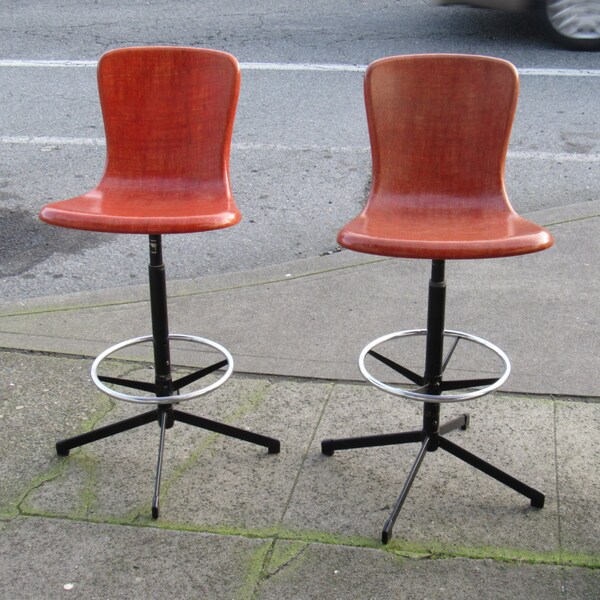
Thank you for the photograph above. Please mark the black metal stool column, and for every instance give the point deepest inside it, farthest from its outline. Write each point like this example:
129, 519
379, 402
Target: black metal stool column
431, 386
164, 388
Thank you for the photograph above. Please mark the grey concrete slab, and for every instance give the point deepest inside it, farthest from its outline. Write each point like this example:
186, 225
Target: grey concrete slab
319, 571
581, 583
53, 558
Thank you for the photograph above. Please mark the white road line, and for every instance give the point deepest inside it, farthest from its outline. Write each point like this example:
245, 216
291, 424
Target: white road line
20, 63
268, 66
50, 141
300, 148
560, 72
558, 157
323, 67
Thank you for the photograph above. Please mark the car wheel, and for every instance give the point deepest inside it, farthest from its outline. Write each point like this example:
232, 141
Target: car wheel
573, 23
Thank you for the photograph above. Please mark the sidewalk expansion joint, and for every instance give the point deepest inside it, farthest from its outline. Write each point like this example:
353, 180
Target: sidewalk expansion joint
400, 548
276, 560
574, 220
305, 454
176, 295
281, 560
253, 577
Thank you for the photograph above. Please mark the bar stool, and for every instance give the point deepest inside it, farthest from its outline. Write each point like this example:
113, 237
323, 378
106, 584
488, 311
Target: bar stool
439, 128
168, 116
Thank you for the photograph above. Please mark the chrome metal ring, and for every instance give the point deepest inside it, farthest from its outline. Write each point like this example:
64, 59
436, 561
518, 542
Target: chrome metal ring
162, 399
397, 391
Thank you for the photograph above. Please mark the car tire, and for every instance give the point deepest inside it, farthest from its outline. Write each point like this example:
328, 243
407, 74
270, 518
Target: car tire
574, 24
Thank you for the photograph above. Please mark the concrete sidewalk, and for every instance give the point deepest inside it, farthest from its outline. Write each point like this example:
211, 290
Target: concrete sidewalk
239, 523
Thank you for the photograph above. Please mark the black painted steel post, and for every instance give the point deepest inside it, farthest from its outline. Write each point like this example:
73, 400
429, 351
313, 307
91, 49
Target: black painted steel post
434, 352
160, 319
162, 353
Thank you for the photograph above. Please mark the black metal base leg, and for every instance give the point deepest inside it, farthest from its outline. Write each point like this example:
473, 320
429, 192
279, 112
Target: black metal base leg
161, 447
370, 441
64, 446
388, 526
536, 497
272, 444
461, 422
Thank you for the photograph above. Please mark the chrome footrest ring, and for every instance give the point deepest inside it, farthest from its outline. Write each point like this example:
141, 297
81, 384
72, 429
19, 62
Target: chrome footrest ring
412, 395
162, 399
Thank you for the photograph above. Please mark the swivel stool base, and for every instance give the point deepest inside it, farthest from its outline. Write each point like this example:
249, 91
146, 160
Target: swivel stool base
431, 387
165, 389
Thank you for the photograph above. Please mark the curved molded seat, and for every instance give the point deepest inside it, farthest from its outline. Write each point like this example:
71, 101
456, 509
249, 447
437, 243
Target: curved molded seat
438, 164
153, 99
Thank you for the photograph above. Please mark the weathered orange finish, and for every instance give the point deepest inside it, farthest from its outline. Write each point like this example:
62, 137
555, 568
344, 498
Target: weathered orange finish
439, 127
168, 117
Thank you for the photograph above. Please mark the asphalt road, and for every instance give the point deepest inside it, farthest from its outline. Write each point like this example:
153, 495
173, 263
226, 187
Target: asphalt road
300, 162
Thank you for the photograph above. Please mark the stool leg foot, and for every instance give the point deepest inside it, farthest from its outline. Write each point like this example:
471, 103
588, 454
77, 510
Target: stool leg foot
327, 447
369, 441
386, 534
64, 446
273, 445
538, 500
536, 497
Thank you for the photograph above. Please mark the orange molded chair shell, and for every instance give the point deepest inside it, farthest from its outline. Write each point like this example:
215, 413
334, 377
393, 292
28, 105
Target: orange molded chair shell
439, 127
154, 99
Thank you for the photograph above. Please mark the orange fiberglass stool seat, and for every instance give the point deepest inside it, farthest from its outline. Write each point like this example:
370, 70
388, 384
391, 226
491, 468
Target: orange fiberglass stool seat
168, 117
439, 127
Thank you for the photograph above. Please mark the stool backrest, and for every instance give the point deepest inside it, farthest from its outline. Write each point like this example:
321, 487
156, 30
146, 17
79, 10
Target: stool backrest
168, 116
439, 127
